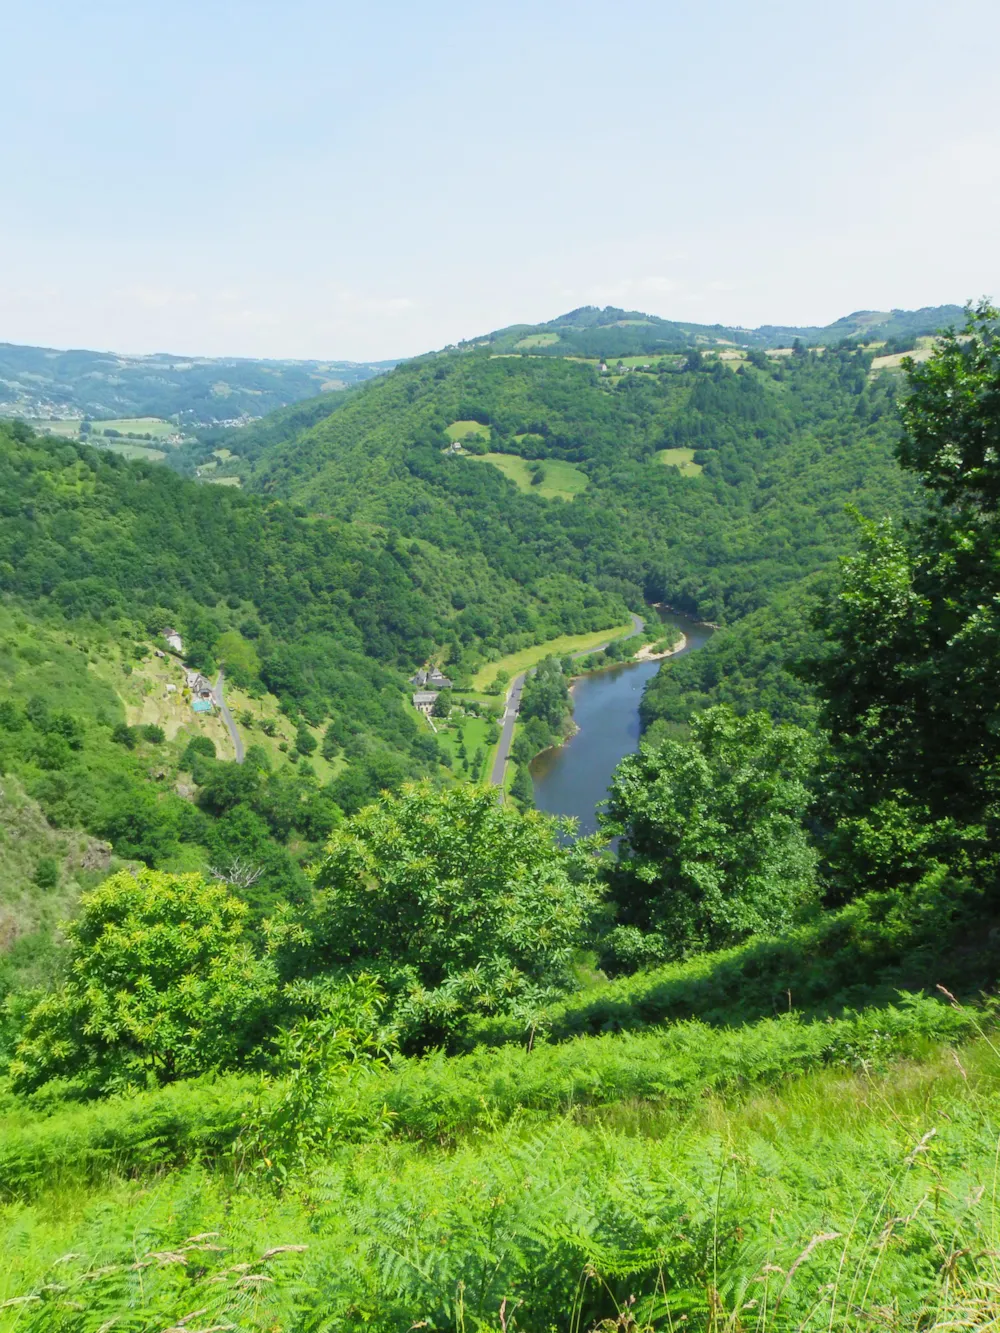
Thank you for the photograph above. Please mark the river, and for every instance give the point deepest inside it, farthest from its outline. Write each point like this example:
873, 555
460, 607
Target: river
573, 779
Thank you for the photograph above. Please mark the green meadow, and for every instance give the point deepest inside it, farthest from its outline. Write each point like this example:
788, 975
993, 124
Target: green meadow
462, 430
681, 459
514, 663
141, 426
560, 480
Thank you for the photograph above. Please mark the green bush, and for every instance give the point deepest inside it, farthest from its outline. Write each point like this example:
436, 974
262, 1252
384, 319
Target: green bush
46, 874
163, 983
859, 956
305, 741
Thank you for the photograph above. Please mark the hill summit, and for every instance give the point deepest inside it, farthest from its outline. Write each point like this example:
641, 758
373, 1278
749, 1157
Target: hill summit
592, 331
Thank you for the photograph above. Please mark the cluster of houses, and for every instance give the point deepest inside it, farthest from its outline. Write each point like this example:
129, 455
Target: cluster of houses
202, 697
429, 685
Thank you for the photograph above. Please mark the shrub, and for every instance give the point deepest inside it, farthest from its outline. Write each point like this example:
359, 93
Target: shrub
305, 741
713, 846
861, 955
460, 903
46, 874
163, 983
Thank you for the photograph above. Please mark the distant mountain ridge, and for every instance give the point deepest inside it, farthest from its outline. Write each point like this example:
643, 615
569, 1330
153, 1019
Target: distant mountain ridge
43, 382
593, 331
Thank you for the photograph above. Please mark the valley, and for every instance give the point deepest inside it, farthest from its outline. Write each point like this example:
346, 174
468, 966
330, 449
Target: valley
316, 1010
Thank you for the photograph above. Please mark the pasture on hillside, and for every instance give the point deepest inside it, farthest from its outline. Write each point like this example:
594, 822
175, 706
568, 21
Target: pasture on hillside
536, 340
462, 430
126, 449
681, 459
137, 426
560, 480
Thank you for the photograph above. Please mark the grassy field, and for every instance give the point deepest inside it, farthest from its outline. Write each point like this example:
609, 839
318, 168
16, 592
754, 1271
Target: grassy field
562, 480
65, 430
133, 429
514, 663
224, 481
650, 359
461, 430
681, 459
536, 340
154, 426
128, 450
894, 361
473, 731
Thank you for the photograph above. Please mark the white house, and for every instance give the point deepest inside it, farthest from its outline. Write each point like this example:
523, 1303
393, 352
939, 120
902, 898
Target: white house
175, 640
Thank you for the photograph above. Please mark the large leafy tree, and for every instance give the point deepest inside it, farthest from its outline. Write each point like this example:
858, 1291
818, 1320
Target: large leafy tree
713, 847
459, 903
163, 982
910, 676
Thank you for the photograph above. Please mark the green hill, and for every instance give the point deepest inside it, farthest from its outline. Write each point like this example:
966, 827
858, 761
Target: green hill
316, 622
42, 383
777, 448
611, 333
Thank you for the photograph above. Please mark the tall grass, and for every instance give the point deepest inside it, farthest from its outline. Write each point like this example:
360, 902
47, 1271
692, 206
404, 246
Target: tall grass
440, 1099
842, 1200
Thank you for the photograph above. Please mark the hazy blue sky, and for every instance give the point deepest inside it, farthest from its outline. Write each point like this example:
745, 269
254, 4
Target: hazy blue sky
326, 180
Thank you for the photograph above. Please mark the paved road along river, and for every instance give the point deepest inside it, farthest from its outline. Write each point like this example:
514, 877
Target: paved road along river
513, 705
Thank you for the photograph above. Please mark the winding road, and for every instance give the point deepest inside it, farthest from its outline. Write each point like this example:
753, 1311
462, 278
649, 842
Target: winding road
227, 717
512, 707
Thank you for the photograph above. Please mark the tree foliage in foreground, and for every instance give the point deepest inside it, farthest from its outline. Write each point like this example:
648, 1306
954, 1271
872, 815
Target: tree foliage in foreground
910, 675
460, 903
163, 982
713, 847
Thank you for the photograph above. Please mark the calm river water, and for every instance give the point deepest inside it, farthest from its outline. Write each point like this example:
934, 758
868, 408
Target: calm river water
573, 779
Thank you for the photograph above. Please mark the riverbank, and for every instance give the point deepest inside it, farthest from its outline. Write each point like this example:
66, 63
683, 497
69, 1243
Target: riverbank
572, 778
512, 702
647, 654
566, 645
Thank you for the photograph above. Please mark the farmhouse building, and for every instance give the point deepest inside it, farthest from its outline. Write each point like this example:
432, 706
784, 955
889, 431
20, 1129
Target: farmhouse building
432, 679
423, 701
200, 687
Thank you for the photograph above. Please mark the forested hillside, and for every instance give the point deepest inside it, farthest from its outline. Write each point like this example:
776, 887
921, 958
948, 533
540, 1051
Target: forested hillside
308, 1056
777, 447
316, 624
193, 390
